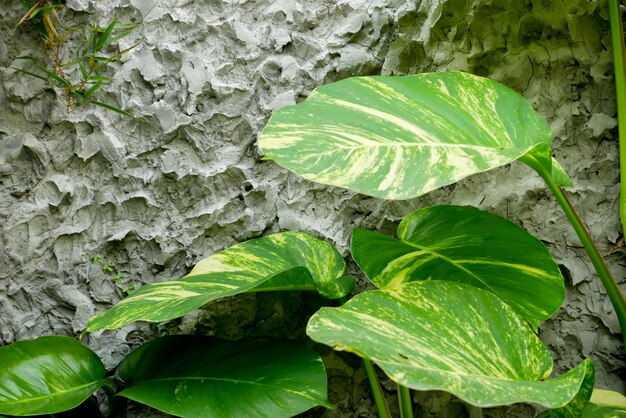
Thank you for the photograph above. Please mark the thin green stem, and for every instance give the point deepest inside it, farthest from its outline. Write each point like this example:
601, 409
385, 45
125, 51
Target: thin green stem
474, 411
404, 400
377, 390
617, 39
610, 285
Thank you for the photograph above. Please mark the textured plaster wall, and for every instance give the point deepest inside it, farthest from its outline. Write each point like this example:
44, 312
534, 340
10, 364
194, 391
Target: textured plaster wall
155, 196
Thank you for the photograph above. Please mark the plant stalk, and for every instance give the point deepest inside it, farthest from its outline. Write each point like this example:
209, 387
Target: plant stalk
617, 39
610, 285
474, 411
377, 390
404, 400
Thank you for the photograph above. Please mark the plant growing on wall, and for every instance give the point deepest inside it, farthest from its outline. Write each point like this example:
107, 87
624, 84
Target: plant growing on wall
400, 137
460, 292
82, 75
190, 376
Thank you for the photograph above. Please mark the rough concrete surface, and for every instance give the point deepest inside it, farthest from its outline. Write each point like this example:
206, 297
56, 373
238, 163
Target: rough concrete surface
154, 196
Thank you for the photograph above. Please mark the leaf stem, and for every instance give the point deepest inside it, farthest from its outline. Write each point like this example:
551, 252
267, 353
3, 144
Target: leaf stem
617, 39
377, 390
474, 411
404, 400
610, 285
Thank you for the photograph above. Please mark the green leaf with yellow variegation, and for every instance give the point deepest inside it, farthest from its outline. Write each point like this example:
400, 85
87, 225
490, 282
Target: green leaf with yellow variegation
286, 261
397, 137
47, 375
466, 245
195, 376
441, 335
606, 404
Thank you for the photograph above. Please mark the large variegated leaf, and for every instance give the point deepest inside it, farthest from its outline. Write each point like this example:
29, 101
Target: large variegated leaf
438, 335
191, 376
397, 137
47, 375
467, 245
286, 261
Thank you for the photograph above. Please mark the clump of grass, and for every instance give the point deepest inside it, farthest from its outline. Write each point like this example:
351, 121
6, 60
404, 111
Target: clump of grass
83, 75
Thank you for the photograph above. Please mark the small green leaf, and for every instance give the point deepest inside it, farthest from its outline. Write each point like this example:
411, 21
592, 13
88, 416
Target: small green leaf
206, 377
47, 375
91, 90
467, 245
397, 137
286, 261
436, 335
104, 36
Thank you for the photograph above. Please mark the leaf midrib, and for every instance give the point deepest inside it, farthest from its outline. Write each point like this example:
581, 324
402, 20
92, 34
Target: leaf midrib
56, 394
217, 379
452, 262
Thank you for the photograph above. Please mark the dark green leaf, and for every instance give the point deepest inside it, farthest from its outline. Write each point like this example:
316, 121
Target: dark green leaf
47, 375
192, 376
464, 244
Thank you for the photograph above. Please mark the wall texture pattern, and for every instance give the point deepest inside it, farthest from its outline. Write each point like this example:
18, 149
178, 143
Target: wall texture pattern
154, 196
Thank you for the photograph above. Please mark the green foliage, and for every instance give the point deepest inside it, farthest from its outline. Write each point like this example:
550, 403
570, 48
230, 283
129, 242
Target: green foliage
285, 261
606, 404
205, 376
47, 375
211, 378
400, 137
116, 276
437, 335
81, 76
466, 245
459, 286
201, 377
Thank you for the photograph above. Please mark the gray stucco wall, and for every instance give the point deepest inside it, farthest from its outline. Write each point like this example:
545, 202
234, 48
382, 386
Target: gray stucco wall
155, 196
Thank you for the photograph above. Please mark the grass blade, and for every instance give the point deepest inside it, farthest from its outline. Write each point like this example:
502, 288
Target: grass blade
92, 90
113, 108
30, 74
103, 39
63, 82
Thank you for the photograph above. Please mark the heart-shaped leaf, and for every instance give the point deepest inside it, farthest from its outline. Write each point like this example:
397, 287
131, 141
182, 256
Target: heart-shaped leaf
467, 245
286, 261
439, 335
192, 376
397, 137
47, 375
